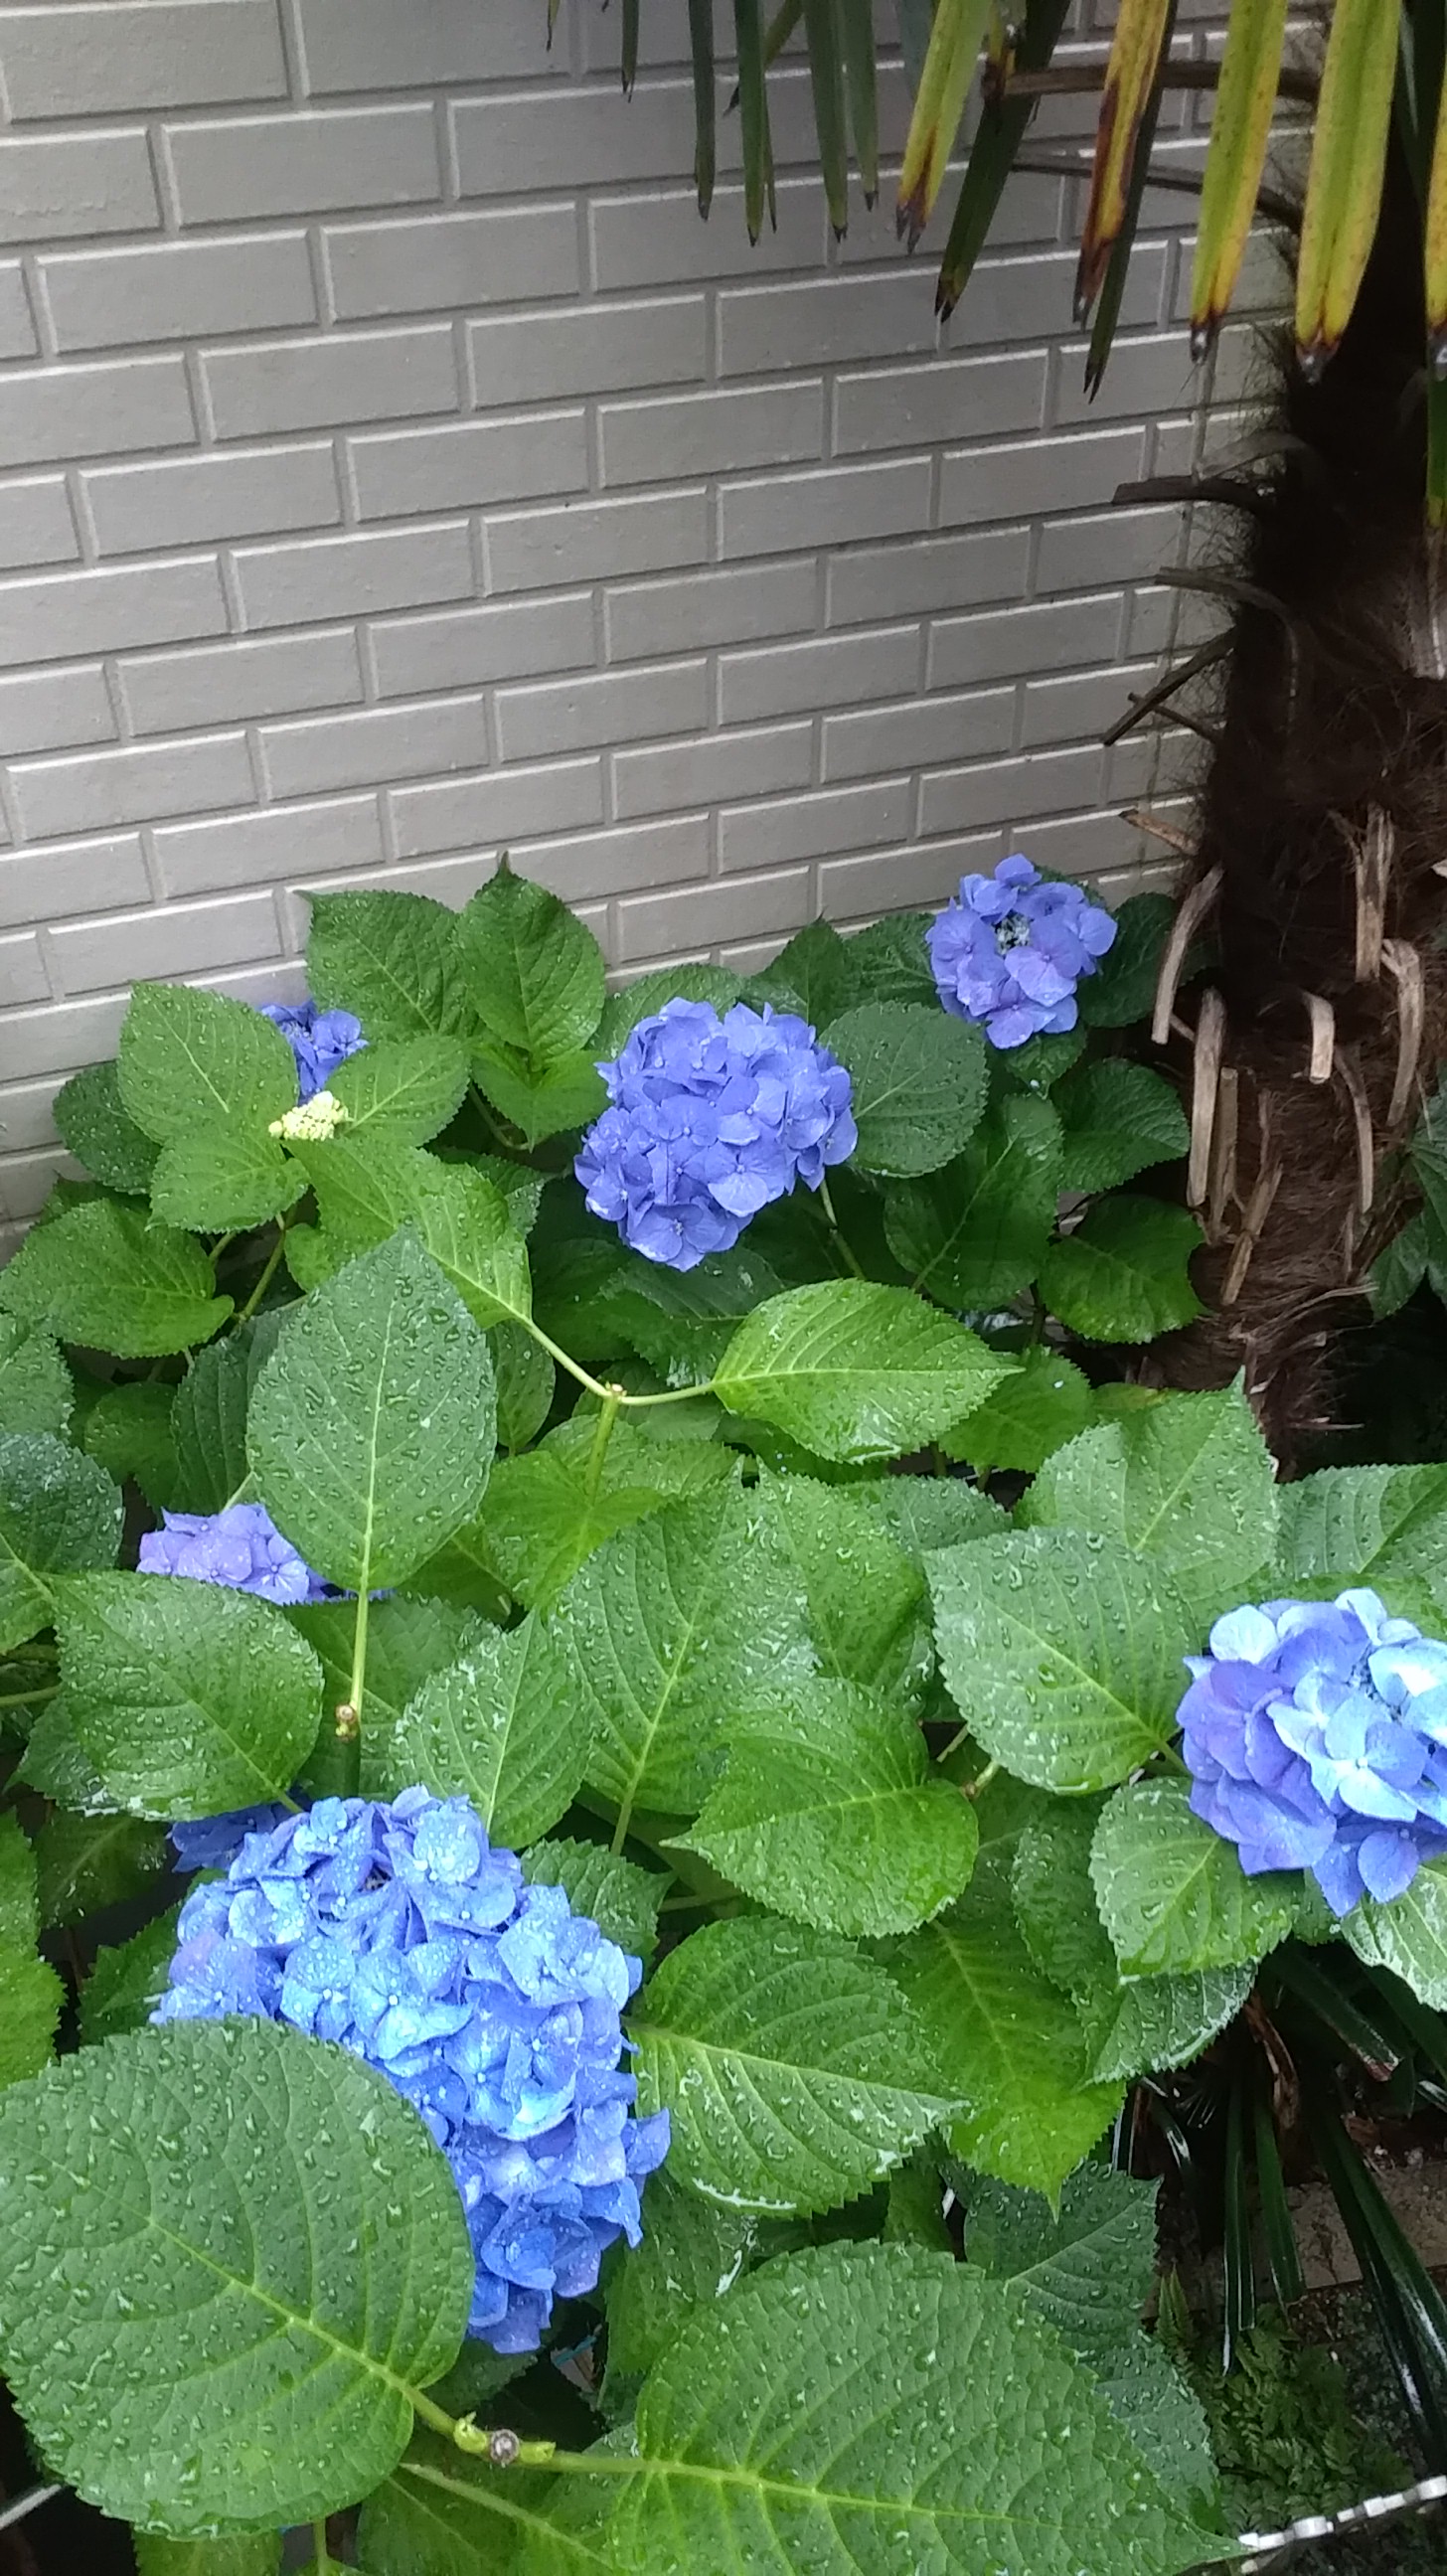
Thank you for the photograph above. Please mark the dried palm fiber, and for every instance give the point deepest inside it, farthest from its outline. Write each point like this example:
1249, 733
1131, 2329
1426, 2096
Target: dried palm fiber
1321, 819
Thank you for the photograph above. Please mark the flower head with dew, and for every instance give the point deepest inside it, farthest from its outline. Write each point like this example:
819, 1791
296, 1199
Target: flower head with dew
319, 1040
711, 1118
240, 1547
399, 1932
1316, 1736
1009, 950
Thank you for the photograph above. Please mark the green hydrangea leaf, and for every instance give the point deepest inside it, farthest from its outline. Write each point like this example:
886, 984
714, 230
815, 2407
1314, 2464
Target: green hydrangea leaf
404, 1089
867, 1605
622, 1899
87, 1863
54, 1763
926, 1512
19, 1899
1119, 1119
890, 961
1160, 2022
128, 1433
392, 960
1062, 1653
919, 1080
544, 1514
670, 1628
366, 1190
31, 1995
681, 1322
127, 1982
569, 1094
1188, 1483
1123, 987
855, 1372
816, 968
1409, 1935
1399, 1270
526, 1383
59, 1514
36, 1392
692, 2253
190, 1059
101, 1133
975, 1233
796, 2426
440, 2516
208, 1414
534, 970
251, 2553
1173, 1895
1124, 1274
272, 2254
829, 1811
1041, 1062
1047, 1402
503, 1726
407, 1641
370, 1432
637, 1001
794, 2070
223, 1180
1373, 1526
188, 1698
106, 1276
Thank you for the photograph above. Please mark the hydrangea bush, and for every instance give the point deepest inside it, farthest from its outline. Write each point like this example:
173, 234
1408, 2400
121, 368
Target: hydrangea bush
630, 1733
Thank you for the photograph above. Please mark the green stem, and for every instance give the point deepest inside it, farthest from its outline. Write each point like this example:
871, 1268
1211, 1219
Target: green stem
267, 1276
489, 1121
594, 1386
30, 1698
321, 2557
607, 1416
224, 1245
357, 1684
977, 1786
827, 1204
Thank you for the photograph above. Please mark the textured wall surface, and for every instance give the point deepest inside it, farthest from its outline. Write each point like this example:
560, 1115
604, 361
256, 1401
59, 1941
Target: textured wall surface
392, 467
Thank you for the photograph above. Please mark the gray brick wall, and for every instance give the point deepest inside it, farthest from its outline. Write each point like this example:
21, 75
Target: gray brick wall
392, 467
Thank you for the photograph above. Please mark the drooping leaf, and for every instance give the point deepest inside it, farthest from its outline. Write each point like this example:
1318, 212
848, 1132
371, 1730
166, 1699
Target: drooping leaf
526, 1382
1123, 1275
184, 2317
927, 1512
1062, 1653
700, 29
918, 1082
669, 1629
406, 1089
101, 1133
31, 1996
1118, 1118
503, 1726
890, 961
59, 1514
36, 1393
1172, 1893
126, 1983
976, 1232
534, 972
816, 969
370, 1431
1372, 1526
390, 958
867, 1607
855, 1372
208, 1413
829, 1811
998, 137
622, 1899
1047, 1402
106, 1276
1141, 30
793, 2068
189, 1699
949, 69
569, 1093
754, 114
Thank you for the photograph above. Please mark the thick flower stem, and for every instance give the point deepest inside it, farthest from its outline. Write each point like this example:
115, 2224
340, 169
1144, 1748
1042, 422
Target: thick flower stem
607, 1394
321, 2558
358, 1682
597, 1455
268, 1274
846, 1251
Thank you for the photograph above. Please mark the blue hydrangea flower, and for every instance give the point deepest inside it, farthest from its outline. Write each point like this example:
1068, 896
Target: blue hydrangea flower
1316, 1735
1009, 950
241, 1548
320, 1040
399, 1932
711, 1119
212, 1842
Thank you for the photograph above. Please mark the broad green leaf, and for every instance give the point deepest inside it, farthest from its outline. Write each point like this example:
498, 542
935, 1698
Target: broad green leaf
1351, 1526
223, 1181
390, 958
54, 1763
59, 1514
1123, 1275
890, 962
370, 1432
36, 1393
681, 1322
526, 1383
1047, 1402
1399, 1270
19, 1901
1173, 1895
622, 1899
1119, 1118
128, 1433
208, 1414
503, 1726
544, 1514
534, 971
250, 2553
1061, 1652
367, 1189
855, 1372
406, 1089
407, 1641
1409, 1935
106, 1276
1123, 987
717, 985
100, 1132
797, 2426
1161, 2022
867, 1605
1188, 1482
926, 1512
126, 1983
670, 1628
1011, 2046
794, 2070
569, 1094
436, 2518
188, 1698
918, 1078
192, 1059
87, 1863
1042, 1061
692, 2253
31, 1996
228, 2254
817, 967
829, 1811
975, 1233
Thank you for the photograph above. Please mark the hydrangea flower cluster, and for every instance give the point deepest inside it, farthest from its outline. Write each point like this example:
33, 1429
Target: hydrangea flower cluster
240, 1547
1009, 950
319, 1040
398, 1931
711, 1118
1316, 1733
